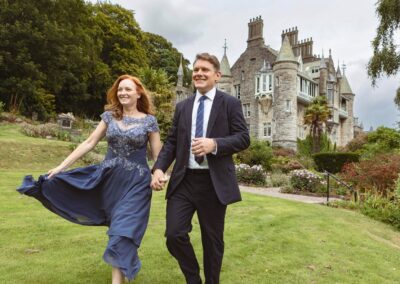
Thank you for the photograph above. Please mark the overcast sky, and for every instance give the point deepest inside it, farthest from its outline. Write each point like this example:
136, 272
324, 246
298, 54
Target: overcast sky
346, 27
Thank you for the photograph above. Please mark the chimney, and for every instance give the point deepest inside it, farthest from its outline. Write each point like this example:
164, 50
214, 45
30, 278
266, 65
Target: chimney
255, 37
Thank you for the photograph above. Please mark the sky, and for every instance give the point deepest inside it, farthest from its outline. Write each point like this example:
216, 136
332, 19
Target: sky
346, 27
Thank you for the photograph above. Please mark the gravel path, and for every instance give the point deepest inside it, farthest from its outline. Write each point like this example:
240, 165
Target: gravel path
274, 192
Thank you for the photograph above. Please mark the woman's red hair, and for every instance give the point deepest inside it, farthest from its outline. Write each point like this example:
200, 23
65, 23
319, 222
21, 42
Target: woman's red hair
144, 103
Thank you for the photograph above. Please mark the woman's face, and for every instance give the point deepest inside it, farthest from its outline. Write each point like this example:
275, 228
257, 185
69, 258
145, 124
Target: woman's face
126, 92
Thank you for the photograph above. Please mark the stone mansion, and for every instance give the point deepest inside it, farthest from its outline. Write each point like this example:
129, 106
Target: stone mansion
275, 87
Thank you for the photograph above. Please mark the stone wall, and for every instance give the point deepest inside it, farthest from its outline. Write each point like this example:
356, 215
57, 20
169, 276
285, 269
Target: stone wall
285, 121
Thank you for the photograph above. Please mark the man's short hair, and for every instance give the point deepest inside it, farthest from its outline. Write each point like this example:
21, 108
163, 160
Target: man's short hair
210, 58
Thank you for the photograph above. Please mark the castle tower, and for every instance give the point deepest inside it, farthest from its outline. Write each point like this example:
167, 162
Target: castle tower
339, 79
346, 110
181, 91
255, 37
285, 98
323, 76
338, 73
180, 75
225, 83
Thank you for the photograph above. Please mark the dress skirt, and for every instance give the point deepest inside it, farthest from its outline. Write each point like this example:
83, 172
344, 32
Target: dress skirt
115, 193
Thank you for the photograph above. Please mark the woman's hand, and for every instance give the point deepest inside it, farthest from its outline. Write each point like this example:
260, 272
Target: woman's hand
158, 180
54, 171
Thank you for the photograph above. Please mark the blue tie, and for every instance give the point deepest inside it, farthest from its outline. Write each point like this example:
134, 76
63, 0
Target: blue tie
199, 125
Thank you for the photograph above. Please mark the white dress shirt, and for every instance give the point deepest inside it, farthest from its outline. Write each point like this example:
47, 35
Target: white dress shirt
207, 110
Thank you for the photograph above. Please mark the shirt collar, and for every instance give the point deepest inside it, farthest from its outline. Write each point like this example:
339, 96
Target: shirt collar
210, 94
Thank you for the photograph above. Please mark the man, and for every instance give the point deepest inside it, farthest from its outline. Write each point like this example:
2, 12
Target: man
207, 129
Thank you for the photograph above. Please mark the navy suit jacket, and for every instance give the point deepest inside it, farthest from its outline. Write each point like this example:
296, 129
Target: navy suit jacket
227, 126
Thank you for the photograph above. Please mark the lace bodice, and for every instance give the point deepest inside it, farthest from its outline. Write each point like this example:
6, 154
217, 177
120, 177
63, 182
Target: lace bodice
125, 137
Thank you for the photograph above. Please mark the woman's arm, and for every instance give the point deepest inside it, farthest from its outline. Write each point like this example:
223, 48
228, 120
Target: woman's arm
155, 144
82, 149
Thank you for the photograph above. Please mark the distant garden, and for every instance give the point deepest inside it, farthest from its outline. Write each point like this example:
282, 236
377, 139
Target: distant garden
369, 164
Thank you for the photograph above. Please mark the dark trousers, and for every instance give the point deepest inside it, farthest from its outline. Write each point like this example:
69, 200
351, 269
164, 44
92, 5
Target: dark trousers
196, 193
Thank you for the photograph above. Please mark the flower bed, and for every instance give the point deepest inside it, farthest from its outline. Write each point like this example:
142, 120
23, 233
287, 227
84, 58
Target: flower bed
254, 175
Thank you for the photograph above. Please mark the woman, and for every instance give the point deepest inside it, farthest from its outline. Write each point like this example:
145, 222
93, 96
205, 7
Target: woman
115, 193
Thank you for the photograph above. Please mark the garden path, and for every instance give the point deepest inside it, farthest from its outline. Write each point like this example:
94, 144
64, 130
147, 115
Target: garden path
274, 192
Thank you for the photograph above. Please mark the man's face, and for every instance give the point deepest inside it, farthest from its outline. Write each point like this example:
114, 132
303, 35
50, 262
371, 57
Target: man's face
204, 76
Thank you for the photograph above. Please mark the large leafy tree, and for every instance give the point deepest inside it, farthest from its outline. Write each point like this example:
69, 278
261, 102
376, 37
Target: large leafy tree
45, 54
121, 38
62, 55
162, 55
20, 75
386, 57
316, 115
161, 90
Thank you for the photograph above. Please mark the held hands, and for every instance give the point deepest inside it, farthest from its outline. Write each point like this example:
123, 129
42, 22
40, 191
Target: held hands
202, 146
158, 180
54, 171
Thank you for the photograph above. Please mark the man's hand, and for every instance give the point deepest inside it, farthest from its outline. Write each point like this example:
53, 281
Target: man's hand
158, 181
202, 146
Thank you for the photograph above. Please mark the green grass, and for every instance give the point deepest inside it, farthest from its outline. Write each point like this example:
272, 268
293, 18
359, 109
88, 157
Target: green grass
267, 240
22, 152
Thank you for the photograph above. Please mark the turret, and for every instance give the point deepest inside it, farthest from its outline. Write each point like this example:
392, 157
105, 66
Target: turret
180, 75
225, 83
346, 106
225, 67
285, 97
323, 76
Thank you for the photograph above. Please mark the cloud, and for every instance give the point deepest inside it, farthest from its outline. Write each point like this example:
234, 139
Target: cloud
375, 106
177, 20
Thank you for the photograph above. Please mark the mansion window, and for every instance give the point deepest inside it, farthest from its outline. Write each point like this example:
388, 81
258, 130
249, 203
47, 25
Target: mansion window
242, 76
237, 91
300, 132
257, 84
330, 95
246, 110
269, 82
307, 87
263, 83
315, 69
267, 129
343, 105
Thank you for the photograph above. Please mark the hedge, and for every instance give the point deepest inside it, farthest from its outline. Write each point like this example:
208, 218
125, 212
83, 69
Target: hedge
333, 162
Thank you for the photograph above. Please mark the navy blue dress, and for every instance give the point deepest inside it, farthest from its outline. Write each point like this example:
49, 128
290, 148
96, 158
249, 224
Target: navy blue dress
115, 193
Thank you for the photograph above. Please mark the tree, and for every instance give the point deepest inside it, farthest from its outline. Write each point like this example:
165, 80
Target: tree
258, 153
45, 50
122, 47
62, 55
386, 58
316, 115
161, 90
162, 55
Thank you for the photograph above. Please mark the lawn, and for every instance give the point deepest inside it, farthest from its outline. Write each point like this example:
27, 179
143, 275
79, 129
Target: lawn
267, 240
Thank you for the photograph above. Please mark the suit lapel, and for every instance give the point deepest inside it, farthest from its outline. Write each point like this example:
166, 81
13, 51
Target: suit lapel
214, 111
